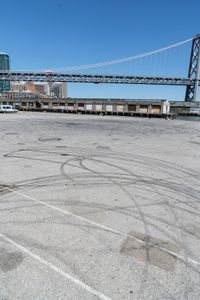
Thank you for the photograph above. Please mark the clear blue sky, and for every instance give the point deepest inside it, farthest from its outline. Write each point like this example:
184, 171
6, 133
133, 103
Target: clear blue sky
56, 33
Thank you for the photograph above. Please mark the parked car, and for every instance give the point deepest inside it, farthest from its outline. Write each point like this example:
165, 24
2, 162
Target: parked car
7, 109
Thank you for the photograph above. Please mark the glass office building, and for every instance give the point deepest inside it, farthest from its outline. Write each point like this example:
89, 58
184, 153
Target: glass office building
4, 65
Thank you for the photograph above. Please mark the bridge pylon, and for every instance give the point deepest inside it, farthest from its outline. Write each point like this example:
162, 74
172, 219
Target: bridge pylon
194, 70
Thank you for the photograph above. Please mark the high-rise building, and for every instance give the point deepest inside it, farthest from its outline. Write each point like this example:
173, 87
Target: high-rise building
37, 87
64, 89
40, 88
59, 89
4, 65
18, 86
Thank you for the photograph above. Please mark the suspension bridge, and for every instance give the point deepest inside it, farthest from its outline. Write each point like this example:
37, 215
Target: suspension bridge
158, 67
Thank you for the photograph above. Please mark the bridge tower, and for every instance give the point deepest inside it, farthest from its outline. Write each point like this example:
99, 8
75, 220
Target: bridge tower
194, 70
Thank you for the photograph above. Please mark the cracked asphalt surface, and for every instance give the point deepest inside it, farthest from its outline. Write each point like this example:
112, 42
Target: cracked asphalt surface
99, 207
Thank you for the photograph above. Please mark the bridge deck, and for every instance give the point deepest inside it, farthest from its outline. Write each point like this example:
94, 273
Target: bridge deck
94, 78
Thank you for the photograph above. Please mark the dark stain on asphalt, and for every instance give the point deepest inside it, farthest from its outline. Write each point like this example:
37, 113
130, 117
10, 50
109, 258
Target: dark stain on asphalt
103, 147
192, 230
49, 139
12, 133
5, 188
196, 143
149, 252
9, 260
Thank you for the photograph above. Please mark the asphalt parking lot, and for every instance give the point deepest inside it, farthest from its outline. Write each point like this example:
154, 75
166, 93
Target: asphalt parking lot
96, 207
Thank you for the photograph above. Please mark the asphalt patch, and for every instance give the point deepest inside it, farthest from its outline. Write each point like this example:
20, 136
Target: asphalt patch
148, 252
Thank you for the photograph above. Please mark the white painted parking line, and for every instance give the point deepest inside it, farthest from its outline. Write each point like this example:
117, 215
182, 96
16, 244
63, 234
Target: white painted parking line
54, 268
66, 212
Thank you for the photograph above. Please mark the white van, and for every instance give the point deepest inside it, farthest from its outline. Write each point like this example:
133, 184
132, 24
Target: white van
7, 109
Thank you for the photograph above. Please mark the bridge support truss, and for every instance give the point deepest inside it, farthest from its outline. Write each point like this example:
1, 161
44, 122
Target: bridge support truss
194, 70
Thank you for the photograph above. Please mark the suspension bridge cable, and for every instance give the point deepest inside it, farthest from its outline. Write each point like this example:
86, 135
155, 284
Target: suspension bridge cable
117, 61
